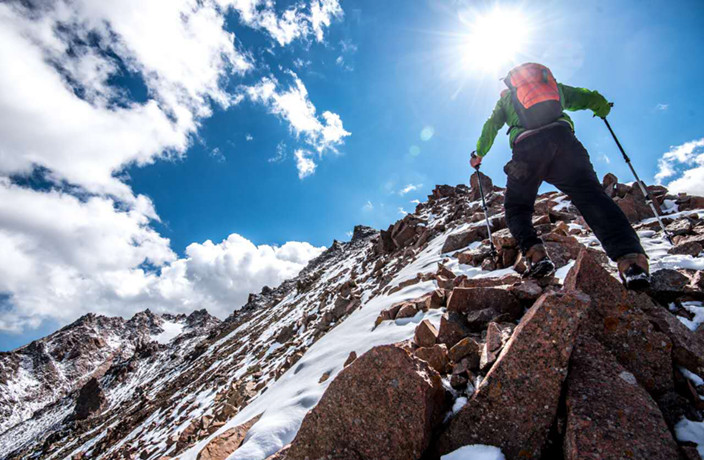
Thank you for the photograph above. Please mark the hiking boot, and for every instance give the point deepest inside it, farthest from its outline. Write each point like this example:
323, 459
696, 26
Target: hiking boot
634, 272
538, 262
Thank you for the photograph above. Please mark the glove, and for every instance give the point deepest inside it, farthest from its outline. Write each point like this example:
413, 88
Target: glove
475, 160
603, 109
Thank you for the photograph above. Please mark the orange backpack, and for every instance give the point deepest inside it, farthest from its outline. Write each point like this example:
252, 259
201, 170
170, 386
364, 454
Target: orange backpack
535, 95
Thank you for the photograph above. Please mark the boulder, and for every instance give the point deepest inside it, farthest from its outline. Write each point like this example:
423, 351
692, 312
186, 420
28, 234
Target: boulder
464, 238
453, 328
224, 444
436, 356
515, 405
667, 285
608, 182
527, 290
385, 244
464, 300
465, 347
615, 319
609, 416
487, 185
407, 310
426, 334
353, 420
478, 320
474, 257
404, 234
687, 346
687, 248
91, 400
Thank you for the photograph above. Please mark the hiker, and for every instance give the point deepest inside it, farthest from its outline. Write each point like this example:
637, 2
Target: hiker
545, 148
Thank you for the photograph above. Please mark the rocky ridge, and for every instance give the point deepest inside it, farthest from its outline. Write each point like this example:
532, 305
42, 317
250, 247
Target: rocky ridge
463, 350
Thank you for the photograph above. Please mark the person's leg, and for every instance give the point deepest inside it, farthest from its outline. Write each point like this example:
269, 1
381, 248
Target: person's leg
572, 173
524, 175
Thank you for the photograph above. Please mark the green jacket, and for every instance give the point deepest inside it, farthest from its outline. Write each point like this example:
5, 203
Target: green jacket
572, 99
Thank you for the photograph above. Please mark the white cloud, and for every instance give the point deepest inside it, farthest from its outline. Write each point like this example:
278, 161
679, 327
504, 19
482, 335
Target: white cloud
91, 246
43, 122
280, 154
305, 165
63, 257
293, 105
687, 162
605, 158
415, 201
298, 21
402, 211
409, 188
248, 137
217, 154
368, 206
662, 107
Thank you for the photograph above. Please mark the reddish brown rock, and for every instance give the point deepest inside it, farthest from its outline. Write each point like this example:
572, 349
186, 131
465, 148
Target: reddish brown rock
464, 300
487, 185
527, 289
436, 356
474, 257
608, 182
464, 238
478, 320
609, 416
224, 444
688, 347
434, 300
408, 310
465, 347
688, 248
515, 404
506, 280
621, 326
446, 272
453, 328
667, 284
426, 334
91, 400
384, 405
504, 239
350, 359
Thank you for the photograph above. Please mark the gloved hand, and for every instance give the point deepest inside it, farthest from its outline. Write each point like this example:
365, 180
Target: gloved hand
603, 108
475, 160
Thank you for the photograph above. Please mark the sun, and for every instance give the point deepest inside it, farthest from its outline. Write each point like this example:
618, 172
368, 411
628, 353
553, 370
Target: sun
495, 39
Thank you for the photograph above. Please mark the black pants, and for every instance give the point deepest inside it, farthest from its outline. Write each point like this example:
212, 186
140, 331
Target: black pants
556, 156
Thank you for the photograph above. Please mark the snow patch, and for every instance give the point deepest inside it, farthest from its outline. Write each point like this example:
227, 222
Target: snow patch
687, 430
170, 331
475, 452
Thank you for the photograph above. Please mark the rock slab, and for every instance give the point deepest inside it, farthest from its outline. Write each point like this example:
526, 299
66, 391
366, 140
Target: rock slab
616, 320
384, 405
610, 416
516, 403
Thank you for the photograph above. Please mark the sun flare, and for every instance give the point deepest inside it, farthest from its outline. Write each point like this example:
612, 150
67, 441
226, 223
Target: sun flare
495, 40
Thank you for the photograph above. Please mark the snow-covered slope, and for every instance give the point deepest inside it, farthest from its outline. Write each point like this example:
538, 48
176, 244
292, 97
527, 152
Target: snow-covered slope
171, 385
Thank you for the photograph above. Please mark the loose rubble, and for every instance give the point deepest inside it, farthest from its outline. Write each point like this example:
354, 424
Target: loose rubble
410, 343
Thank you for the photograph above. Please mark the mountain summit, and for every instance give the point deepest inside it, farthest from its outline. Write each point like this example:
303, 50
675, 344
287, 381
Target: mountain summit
412, 342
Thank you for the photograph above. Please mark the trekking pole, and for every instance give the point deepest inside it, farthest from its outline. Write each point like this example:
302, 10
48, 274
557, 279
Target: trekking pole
646, 193
486, 209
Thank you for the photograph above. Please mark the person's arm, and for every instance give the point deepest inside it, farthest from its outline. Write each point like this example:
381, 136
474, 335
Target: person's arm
490, 129
581, 99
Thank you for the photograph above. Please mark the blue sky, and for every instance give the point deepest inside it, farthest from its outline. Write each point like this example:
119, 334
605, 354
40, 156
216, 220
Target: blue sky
144, 159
